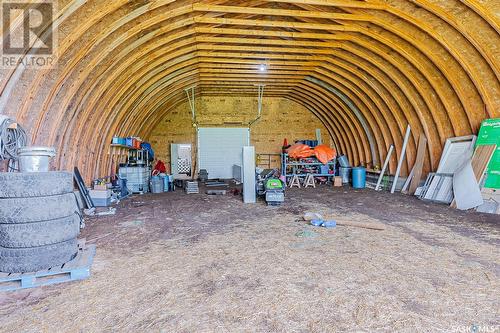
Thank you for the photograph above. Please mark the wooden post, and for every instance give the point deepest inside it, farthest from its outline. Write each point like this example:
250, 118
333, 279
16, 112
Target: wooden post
419, 164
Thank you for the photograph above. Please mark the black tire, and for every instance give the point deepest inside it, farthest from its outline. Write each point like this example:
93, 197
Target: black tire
35, 184
35, 209
23, 235
33, 259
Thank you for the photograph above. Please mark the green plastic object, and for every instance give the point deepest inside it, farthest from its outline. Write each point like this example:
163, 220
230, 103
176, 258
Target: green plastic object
274, 184
489, 134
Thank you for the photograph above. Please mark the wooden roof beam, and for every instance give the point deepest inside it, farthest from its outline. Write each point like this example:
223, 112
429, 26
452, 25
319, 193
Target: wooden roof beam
280, 12
261, 56
277, 24
274, 50
271, 62
255, 66
335, 3
273, 33
255, 41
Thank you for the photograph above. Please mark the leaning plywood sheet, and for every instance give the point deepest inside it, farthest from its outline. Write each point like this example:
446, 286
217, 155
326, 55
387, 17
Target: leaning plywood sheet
465, 188
481, 160
419, 164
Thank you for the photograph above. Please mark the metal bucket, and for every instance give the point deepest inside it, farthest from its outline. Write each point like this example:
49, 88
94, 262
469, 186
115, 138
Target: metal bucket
35, 159
343, 161
345, 173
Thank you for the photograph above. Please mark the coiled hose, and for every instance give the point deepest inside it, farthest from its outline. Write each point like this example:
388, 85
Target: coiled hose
11, 139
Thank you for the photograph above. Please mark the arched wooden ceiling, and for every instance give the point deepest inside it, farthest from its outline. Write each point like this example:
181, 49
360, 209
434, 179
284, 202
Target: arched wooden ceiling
365, 68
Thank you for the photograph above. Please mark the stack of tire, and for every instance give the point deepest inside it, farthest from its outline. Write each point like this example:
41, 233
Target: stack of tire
39, 221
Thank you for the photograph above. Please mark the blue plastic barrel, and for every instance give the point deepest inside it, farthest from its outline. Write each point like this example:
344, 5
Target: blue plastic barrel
359, 177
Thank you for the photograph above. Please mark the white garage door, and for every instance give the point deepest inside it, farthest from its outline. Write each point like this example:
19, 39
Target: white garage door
221, 148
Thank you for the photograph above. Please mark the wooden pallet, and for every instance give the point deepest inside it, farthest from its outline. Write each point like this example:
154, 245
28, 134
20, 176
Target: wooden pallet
76, 269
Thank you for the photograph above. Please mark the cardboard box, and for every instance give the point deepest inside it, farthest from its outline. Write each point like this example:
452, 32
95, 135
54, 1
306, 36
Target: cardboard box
337, 182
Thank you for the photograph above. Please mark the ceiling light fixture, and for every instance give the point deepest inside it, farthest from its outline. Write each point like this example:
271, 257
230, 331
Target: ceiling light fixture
263, 68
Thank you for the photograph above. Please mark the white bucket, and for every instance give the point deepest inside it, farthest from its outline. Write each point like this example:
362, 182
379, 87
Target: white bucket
35, 159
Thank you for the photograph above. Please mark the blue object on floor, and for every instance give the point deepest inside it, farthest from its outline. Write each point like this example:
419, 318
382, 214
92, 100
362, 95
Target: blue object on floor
330, 224
317, 222
76, 269
359, 177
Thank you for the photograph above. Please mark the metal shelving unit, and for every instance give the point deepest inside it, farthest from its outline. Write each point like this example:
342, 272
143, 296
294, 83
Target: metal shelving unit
134, 166
290, 168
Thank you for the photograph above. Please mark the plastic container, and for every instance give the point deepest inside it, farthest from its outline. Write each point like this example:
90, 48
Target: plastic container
325, 169
129, 142
35, 159
166, 185
101, 202
359, 177
317, 222
345, 174
156, 184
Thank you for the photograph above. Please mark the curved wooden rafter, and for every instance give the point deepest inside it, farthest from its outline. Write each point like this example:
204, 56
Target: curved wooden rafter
365, 68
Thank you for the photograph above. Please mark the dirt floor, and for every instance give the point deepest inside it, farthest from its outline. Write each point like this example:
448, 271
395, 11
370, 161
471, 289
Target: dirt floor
199, 263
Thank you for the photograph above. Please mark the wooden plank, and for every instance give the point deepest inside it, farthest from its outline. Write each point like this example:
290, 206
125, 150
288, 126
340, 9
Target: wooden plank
386, 163
279, 24
401, 159
408, 181
419, 164
481, 159
335, 3
280, 12
365, 225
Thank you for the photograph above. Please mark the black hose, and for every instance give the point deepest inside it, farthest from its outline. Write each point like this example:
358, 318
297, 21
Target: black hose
11, 139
